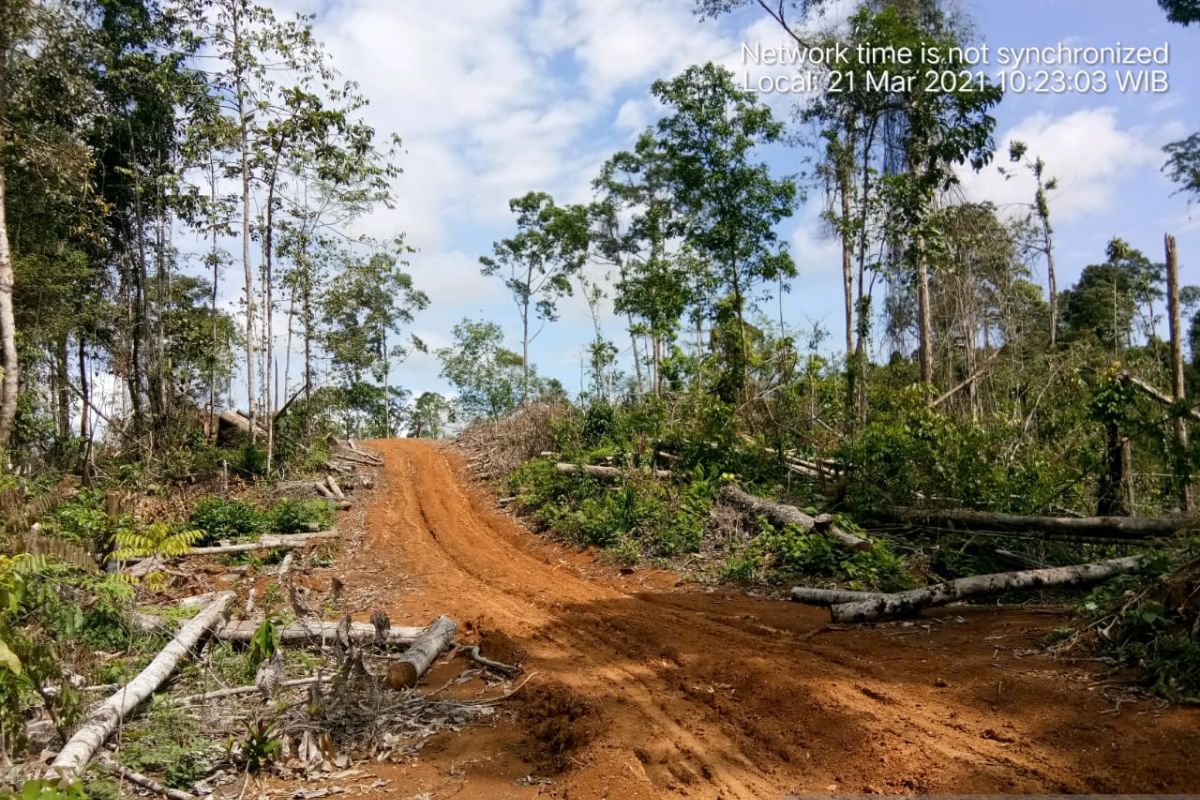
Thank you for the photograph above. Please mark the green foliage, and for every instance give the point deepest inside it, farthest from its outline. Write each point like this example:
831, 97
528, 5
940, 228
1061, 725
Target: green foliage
220, 518
168, 741
42, 789
488, 377
909, 451
155, 539
786, 554
263, 643
1149, 622
260, 745
299, 516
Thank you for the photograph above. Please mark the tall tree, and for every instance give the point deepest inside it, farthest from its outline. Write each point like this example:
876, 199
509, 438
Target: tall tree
940, 128
489, 378
731, 203
537, 264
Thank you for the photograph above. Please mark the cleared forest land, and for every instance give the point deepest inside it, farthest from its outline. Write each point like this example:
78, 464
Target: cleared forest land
642, 685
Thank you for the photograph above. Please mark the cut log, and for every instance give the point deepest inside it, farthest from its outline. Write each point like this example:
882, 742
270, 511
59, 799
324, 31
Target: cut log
910, 602
237, 691
75, 755
316, 632
281, 541
423, 651
830, 597
1154, 393
235, 419
333, 487
1073, 529
606, 473
781, 514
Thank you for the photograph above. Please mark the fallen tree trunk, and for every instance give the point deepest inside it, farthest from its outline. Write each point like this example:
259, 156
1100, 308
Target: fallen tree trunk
316, 632
606, 473
830, 597
75, 755
423, 651
1097, 529
781, 514
910, 602
281, 541
237, 691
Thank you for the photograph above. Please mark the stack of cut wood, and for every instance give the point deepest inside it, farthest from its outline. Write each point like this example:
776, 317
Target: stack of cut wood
345, 463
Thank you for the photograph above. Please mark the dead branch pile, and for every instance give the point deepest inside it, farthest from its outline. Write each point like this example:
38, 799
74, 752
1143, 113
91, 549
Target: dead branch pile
495, 448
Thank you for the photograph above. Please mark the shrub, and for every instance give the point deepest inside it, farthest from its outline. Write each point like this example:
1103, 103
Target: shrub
299, 516
219, 518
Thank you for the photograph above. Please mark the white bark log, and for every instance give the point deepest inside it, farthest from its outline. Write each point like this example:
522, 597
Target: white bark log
781, 514
281, 541
830, 597
607, 473
423, 651
90, 736
910, 602
312, 631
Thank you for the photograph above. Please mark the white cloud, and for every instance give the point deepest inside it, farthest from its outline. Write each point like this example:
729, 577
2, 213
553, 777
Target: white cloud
1087, 151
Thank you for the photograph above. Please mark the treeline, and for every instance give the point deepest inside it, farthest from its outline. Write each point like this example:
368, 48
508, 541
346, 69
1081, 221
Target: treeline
997, 393
155, 159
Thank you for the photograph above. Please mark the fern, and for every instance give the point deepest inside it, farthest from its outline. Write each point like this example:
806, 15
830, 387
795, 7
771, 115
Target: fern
69, 552
157, 539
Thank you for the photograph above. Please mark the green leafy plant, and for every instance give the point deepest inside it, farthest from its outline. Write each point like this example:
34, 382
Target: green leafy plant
219, 518
300, 516
263, 643
155, 539
261, 744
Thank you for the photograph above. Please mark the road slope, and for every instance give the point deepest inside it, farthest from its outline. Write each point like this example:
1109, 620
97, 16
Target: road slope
723, 695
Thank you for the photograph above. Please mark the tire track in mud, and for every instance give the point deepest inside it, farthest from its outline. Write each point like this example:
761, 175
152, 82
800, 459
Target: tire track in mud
720, 695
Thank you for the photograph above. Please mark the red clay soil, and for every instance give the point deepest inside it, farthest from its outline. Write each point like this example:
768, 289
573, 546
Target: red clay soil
645, 688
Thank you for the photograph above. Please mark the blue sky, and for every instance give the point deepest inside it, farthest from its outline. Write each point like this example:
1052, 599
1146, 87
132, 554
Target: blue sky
497, 98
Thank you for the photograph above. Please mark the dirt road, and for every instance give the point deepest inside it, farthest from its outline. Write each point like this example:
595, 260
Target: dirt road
675, 690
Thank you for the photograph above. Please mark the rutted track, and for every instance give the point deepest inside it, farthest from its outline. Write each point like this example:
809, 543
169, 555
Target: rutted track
722, 695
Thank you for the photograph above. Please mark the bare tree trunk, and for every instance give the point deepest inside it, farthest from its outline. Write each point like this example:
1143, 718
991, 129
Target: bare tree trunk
1177, 382
1048, 243
781, 514
8, 333
75, 755
924, 314
269, 312
525, 347
244, 133
10, 384
62, 395
84, 390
